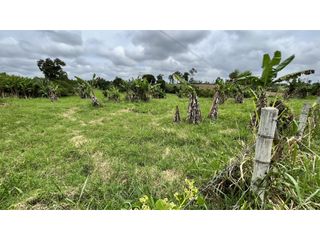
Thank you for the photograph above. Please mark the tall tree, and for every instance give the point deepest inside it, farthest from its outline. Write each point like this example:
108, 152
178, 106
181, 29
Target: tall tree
161, 82
192, 71
150, 78
52, 69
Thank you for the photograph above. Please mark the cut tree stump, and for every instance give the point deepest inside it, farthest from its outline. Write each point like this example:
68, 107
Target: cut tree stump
176, 117
262, 159
194, 113
213, 114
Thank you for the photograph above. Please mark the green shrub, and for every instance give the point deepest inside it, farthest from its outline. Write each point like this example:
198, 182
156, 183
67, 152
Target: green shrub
24, 87
139, 90
157, 91
171, 88
84, 89
205, 92
66, 87
184, 90
181, 201
112, 94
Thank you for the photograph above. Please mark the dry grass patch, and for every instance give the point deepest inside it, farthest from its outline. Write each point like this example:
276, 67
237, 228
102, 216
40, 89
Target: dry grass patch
121, 111
166, 152
228, 131
79, 140
69, 114
98, 121
171, 175
102, 166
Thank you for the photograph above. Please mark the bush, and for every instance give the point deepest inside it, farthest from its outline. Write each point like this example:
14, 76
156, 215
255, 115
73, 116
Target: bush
204, 92
184, 91
112, 94
66, 87
84, 89
157, 92
162, 84
24, 87
100, 83
171, 88
139, 90
121, 84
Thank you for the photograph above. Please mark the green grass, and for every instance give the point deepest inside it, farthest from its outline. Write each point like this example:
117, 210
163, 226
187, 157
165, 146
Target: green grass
69, 155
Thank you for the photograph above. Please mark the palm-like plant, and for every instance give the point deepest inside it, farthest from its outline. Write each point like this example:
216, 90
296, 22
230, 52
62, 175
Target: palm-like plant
84, 89
270, 69
194, 113
112, 93
139, 90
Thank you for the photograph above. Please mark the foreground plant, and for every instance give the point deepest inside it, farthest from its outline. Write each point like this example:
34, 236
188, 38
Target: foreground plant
181, 200
292, 182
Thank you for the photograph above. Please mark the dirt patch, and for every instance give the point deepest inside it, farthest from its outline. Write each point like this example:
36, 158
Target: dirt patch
79, 140
69, 114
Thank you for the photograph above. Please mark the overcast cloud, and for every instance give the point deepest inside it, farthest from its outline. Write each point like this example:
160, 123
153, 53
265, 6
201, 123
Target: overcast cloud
131, 53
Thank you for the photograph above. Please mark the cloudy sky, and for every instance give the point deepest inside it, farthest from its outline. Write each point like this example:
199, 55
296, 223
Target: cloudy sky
131, 53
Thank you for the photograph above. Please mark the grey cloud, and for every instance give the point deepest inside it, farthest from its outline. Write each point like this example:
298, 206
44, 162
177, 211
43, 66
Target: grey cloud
66, 37
130, 53
163, 44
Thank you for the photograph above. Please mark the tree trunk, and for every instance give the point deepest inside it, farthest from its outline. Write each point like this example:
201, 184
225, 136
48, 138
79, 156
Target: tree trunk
194, 113
213, 114
95, 102
53, 97
176, 117
239, 98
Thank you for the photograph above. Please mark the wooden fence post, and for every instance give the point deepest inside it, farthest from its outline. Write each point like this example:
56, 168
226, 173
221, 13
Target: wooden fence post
303, 119
267, 127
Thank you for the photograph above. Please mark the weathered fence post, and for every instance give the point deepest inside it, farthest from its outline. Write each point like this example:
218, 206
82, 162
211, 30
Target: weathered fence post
303, 119
267, 127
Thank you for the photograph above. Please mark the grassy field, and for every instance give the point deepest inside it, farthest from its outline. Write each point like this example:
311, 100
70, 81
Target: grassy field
69, 155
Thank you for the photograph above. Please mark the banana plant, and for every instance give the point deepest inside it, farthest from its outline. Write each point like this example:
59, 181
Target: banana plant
271, 67
183, 82
293, 76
